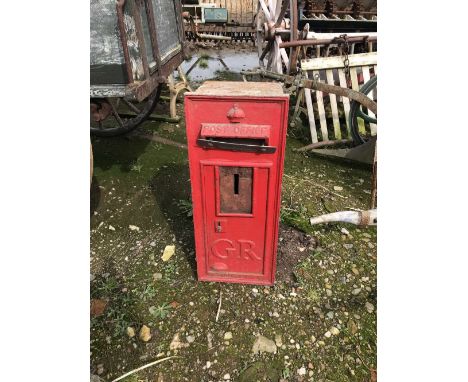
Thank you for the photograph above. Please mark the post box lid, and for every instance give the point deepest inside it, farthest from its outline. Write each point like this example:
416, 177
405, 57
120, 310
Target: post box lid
240, 89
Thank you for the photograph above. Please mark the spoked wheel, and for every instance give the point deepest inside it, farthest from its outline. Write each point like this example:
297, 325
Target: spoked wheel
270, 19
116, 116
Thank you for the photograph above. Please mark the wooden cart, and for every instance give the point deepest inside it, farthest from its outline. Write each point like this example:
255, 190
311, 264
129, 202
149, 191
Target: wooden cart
135, 47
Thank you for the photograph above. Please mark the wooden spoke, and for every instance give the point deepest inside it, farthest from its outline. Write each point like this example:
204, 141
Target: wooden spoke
116, 114
281, 14
131, 106
266, 50
265, 9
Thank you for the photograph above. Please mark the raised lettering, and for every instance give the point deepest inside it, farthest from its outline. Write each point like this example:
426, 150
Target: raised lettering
222, 247
246, 250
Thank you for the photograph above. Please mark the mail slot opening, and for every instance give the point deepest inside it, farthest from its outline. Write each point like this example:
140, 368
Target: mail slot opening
235, 189
247, 141
255, 145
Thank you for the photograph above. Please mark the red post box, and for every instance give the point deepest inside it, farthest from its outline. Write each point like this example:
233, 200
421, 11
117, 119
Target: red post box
236, 134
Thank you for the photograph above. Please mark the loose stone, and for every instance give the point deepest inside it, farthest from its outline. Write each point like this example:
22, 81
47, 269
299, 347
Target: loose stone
130, 332
369, 307
263, 344
334, 331
301, 371
145, 333
278, 340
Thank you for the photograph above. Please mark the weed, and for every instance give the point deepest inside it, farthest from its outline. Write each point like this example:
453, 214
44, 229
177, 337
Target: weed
203, 63
148, 293
185, 207
136, 167
156, 146
105, 287
171, 269
286, 373
312, 295
121, 323
161, 311
296, 218
127, 299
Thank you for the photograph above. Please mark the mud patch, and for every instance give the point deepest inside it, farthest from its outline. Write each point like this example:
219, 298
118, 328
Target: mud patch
294, 247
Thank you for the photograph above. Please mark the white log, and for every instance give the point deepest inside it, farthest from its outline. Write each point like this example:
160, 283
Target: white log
354, 217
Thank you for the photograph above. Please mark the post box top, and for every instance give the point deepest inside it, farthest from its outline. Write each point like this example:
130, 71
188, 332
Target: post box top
240, 89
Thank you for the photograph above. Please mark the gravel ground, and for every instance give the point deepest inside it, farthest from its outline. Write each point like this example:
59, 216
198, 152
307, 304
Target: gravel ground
317, 323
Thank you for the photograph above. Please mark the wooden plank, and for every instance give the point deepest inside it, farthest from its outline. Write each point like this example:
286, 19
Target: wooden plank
361, 59
310, 113
334, 106
300, 96
247, 11
346, 107
321, 111
366, 76
355, 86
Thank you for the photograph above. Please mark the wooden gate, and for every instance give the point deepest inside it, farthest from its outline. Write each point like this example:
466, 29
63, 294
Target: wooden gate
331, 111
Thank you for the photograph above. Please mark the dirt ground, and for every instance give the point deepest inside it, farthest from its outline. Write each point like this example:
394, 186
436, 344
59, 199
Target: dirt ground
321, 312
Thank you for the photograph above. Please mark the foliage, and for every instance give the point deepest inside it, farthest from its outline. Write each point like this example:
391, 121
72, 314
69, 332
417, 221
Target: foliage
161, 311
148, 293
185, 207
296, 218
136, 167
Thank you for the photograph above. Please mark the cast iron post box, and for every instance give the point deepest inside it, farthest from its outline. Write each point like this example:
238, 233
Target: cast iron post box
236, 134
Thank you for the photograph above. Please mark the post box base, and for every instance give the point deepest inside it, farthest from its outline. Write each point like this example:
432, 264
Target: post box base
237, 280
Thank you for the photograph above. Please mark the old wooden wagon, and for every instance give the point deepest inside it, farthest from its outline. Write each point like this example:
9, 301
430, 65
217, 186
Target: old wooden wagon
135, 46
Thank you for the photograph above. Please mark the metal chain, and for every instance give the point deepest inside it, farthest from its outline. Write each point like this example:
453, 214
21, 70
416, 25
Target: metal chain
344, 37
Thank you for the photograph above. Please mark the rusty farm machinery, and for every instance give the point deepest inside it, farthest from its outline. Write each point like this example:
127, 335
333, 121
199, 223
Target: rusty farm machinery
239, 19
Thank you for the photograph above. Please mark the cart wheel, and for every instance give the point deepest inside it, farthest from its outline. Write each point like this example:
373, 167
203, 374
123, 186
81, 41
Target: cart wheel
116, 116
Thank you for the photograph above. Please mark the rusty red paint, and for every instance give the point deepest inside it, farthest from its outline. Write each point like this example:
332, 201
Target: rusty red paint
236, 194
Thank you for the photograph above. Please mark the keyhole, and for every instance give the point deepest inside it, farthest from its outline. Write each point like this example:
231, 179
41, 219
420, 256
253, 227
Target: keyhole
218, 227
236, 184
